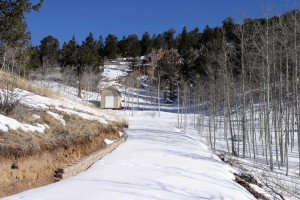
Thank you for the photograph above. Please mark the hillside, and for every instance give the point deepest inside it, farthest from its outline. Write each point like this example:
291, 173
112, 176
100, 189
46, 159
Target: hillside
41, 131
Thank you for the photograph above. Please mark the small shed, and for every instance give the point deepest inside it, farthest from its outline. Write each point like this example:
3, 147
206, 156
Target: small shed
110, 99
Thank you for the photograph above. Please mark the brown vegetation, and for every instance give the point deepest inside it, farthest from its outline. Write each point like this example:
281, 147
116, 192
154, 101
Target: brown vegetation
13, 81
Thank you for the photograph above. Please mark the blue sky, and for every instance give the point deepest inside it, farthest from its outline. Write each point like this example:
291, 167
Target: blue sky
65, 18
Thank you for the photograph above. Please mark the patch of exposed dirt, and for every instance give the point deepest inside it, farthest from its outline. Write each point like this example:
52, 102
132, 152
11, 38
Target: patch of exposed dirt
26, 172
243, 179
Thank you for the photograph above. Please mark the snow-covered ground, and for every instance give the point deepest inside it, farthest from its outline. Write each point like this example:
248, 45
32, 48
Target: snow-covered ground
112, 73
157, 162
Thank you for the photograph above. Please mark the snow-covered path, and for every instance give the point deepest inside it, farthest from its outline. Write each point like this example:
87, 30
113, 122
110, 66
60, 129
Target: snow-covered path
156, 162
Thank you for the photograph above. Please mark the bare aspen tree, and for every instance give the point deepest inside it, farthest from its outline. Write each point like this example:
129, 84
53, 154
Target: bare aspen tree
158, 94
268, 95
241, 34
287, 96
275, 97
224, 64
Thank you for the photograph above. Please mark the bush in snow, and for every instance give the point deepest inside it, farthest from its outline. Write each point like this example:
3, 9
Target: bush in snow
9, 99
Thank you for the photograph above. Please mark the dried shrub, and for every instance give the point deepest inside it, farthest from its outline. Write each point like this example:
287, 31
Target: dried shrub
9, 99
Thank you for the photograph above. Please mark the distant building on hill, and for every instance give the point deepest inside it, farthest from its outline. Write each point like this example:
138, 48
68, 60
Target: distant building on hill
111, 99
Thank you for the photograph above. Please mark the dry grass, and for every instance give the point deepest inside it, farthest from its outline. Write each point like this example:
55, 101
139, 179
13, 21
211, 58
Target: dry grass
123, 122
18, 82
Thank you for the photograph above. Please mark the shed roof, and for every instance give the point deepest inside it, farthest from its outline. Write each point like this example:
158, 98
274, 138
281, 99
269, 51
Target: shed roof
113, 90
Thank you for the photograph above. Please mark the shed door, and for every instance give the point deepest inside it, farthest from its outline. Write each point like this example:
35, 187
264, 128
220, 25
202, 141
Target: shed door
109, 102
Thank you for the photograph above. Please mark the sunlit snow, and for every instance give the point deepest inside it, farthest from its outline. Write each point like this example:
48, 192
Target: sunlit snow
158, 161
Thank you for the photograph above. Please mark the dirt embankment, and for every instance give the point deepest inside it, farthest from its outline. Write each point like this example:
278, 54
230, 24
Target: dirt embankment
22, 173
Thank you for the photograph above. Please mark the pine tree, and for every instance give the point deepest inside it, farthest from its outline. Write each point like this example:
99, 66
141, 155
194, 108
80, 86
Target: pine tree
70, 61
14, 39
168, 71
184, 42
34, 61
169, 38
12, 21
69, 53
158, 41
101, 46
146, 44
111, 46
134, 49
90, 56
123, 47
187, 53
49, 50
89, 60
195, 38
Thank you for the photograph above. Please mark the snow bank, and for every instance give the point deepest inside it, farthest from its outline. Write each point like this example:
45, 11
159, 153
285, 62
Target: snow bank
107, 141
36, 116
57, 116
7, 123
120, 134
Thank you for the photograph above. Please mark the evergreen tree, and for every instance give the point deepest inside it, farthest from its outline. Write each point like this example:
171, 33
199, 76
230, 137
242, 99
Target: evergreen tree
184, 42
187, 53
111, 46
89, 54
130, 47
14, 39
101, 46
49, 50
69, 54
70, 61
34, 61
123, 47
229, 27
146, 44
195, 38
12, 20
158, 41
207, 35
168, 69
169, 38
134, 49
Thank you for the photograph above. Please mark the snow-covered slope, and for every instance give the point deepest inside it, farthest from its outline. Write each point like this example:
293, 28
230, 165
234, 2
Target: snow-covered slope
157, 162
63, 105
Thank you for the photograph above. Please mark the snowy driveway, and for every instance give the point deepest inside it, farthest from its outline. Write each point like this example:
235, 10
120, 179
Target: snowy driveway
156, 162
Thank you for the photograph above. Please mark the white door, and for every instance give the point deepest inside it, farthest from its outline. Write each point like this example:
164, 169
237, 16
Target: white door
109, 102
